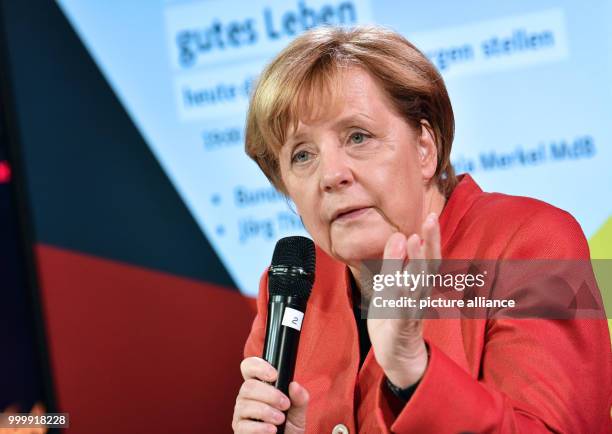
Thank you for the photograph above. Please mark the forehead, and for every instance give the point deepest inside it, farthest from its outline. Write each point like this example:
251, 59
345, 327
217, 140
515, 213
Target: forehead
348, 92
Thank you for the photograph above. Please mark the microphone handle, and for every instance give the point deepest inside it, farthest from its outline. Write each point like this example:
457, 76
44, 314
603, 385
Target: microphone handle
285, 315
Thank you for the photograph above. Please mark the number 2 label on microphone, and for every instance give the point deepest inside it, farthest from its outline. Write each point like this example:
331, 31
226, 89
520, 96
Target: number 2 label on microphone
293, 318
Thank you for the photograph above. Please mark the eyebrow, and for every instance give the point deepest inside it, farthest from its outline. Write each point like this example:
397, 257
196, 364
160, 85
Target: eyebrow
340, 124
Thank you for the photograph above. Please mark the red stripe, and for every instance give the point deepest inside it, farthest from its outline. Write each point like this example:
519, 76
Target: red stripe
136, 350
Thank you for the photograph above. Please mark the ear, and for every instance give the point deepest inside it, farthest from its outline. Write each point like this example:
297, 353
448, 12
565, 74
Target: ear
427, 151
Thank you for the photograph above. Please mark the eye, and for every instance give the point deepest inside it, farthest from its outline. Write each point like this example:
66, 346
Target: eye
358, 137
300, 156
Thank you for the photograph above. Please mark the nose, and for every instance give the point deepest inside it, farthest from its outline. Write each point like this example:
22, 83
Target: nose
335, 171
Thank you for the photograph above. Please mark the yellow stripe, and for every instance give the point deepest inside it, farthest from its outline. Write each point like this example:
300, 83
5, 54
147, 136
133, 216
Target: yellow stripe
600, 245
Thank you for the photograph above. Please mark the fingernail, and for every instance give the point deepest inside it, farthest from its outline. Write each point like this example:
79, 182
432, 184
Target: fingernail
400, 245
278, 417
433, 217
284, 402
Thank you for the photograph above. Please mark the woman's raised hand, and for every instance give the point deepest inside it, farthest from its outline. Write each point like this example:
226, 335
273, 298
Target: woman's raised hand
398, 344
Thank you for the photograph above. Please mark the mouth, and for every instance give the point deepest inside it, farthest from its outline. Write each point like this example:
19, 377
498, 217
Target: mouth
349, 214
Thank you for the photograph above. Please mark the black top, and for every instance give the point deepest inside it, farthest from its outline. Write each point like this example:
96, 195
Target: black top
364, 343
362, 323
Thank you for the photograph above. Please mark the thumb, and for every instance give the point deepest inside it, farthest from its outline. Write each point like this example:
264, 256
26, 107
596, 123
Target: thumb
296, 416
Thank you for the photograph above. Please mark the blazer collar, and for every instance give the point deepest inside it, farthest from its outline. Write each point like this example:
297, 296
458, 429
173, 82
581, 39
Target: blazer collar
460, 201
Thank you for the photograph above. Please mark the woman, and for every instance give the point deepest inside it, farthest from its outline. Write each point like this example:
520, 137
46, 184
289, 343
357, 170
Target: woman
356, 127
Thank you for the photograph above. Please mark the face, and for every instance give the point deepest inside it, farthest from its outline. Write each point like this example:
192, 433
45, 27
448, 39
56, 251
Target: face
359, 172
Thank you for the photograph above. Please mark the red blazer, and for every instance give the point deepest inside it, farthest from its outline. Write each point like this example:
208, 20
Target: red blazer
506, 376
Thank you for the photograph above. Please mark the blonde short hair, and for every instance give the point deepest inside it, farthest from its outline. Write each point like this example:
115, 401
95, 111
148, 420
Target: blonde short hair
300, 76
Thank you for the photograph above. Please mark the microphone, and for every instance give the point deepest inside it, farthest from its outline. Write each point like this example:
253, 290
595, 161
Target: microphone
290, 280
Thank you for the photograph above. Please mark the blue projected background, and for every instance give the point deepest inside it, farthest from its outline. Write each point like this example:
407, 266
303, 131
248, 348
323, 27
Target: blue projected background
530, 83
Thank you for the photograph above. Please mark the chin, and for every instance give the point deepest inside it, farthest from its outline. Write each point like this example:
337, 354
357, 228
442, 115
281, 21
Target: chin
354, 250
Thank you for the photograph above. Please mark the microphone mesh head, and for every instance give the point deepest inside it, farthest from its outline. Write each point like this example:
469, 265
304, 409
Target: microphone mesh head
293, 265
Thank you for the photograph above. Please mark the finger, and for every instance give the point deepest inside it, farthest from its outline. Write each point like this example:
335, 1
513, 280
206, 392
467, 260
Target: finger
431, 235
296, 416
258, 391
417, 265
252, 427
394, 248
256, 367
394, 253
392, 263
414, 252
414, 248
257, 410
